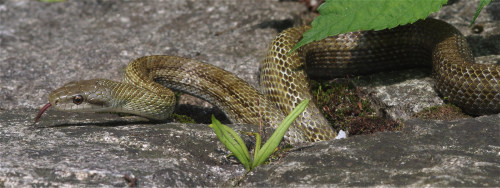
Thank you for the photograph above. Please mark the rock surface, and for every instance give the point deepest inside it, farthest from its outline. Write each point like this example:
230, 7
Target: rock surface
43, 45
424, 153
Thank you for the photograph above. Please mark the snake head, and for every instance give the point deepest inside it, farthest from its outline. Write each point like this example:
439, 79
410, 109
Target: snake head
80, 96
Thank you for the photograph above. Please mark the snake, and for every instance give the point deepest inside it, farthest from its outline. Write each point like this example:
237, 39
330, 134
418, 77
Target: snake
146, 89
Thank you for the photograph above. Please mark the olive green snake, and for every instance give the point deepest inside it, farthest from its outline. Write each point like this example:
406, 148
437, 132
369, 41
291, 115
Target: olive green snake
284, 78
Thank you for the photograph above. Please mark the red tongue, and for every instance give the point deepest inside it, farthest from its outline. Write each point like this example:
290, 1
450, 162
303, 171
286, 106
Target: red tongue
44, 108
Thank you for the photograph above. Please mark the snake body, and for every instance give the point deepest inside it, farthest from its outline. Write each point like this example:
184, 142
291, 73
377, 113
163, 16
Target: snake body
284, 81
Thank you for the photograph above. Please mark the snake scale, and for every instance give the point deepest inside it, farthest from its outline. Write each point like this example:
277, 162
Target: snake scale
284, 81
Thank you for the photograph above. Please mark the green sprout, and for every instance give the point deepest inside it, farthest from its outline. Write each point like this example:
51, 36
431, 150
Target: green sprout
235, 144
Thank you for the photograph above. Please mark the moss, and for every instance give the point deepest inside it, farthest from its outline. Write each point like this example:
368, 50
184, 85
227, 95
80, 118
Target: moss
369, 125
181, 118
346, 109
279, 153
441, 112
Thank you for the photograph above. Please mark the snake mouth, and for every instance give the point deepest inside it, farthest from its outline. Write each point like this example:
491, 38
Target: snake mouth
44, 108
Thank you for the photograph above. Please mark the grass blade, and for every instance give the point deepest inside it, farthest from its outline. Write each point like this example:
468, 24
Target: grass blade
238, 139
257, 145
278, 134
230, 143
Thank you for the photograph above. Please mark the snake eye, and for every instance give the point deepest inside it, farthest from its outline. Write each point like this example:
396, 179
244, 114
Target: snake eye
78, 99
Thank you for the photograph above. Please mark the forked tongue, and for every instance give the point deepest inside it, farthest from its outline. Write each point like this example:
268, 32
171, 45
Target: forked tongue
44, 108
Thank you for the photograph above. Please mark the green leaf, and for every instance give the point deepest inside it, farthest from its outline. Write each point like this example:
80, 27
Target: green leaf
238, 139
257, 145
235, 144
278, 134
482, 4
342, 16
230, 143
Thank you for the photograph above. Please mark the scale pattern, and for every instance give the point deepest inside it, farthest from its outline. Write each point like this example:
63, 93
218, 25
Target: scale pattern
284, 77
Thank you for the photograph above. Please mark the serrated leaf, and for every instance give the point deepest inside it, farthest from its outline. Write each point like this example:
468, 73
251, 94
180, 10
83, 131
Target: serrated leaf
342, 16
480, 7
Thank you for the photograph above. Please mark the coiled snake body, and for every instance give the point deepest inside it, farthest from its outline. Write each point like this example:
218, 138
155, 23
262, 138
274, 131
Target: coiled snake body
473, 87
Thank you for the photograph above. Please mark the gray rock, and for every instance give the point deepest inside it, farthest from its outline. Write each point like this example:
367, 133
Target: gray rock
424, 153
44, 45
101, 149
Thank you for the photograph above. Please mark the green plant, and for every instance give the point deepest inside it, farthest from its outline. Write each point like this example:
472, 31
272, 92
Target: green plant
182, 118
235, 144
342, 16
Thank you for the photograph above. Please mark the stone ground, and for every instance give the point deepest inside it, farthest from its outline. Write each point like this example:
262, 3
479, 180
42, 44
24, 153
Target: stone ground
44, 45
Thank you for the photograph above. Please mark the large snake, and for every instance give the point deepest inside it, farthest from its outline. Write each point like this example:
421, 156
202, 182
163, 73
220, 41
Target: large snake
472, 87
